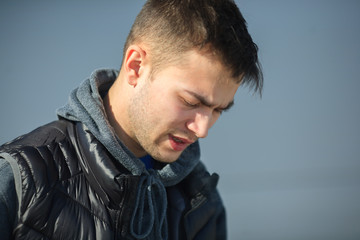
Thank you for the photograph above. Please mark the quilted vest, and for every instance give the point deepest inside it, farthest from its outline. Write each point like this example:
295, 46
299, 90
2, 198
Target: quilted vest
61, 195
73, 189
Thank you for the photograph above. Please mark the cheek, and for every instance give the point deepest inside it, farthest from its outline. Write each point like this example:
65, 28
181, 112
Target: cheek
162, 111
174, 112
167, 108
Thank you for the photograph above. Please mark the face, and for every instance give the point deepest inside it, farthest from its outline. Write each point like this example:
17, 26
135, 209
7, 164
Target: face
178, 105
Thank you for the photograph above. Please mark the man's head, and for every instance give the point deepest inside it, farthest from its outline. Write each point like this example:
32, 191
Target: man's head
170, 28
183, 63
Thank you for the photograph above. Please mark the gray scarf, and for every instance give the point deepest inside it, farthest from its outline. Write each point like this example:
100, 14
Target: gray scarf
86, 105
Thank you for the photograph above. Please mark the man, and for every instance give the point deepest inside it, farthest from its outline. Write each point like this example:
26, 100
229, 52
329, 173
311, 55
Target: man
122, 161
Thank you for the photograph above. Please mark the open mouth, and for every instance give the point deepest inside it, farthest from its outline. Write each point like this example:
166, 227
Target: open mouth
178, 140
177, 143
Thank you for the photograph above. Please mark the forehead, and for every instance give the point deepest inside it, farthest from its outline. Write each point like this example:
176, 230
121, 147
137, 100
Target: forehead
204, 62
202, 75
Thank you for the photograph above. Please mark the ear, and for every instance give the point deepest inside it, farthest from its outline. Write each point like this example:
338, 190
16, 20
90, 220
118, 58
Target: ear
134, 62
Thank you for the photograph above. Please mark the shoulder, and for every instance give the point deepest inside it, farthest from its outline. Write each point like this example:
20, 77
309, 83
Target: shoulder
41, 147
43, 135
40, 160
43, 154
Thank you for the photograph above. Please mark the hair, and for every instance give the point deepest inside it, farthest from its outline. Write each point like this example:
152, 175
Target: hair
172, 27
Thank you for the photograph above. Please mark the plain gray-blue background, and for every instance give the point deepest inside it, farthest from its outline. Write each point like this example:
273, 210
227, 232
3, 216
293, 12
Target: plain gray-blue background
289, 162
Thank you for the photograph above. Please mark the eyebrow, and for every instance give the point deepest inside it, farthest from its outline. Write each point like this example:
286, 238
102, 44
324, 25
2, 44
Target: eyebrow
205, 102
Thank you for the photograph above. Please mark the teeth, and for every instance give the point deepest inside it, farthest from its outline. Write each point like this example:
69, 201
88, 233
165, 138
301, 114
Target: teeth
177, 140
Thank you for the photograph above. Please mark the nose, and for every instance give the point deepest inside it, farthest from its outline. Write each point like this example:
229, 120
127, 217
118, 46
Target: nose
200, 124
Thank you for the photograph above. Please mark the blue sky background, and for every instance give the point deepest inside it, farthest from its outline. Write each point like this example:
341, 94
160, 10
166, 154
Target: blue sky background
289, 162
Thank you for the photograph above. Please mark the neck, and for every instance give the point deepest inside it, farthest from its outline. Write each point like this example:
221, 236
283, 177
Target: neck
118, 121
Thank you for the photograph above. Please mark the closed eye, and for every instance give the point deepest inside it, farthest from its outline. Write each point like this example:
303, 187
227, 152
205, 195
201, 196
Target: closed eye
203, 101
190, 104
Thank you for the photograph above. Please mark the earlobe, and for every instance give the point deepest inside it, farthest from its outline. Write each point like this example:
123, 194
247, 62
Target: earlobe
134, 60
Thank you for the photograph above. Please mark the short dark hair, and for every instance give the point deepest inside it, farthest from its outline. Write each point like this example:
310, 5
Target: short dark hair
172, 27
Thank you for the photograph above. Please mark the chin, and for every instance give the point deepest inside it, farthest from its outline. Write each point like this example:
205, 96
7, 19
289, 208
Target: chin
166, 157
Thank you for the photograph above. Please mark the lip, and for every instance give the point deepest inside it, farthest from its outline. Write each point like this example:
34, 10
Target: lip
179, 146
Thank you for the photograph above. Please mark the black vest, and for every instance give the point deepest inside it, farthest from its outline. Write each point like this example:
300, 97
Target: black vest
72, 188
